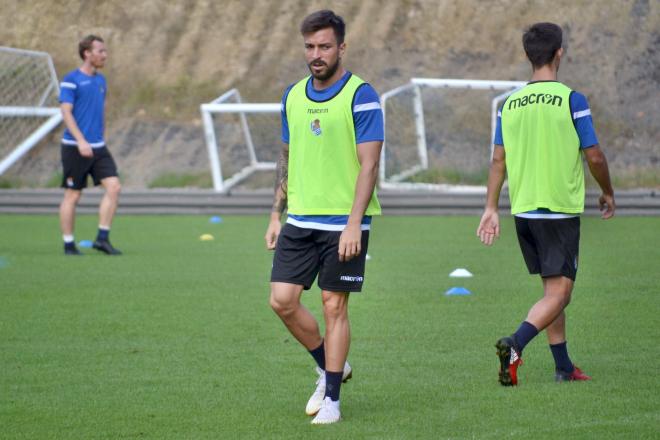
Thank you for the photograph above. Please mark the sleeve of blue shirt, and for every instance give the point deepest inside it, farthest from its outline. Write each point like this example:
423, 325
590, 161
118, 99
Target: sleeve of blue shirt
68, 89
498, 130
285, 123
584, 125
367, 115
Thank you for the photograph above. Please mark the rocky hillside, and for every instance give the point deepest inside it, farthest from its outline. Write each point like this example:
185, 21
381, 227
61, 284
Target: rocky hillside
167, 57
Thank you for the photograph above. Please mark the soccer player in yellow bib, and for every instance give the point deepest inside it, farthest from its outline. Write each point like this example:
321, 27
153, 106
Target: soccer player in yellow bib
332, 129
543, 131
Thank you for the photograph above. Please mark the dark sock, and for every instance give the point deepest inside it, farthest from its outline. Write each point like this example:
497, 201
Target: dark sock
525, 333
319, 355
562, 361
333, 384
103, 235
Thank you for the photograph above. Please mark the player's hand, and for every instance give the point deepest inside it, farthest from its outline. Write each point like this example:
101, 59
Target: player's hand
273, 231
350, 242
85, 149
607, 206
489, 227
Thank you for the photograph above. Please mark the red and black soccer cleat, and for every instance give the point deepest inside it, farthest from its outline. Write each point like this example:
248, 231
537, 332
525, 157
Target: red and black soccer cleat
577, 374
509, 362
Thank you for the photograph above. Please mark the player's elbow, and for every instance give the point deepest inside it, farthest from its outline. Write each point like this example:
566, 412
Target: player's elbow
595, 156
596, 160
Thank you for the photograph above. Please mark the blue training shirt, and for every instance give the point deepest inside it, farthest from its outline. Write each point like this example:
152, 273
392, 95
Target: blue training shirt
584, 126
87, 94
368, 120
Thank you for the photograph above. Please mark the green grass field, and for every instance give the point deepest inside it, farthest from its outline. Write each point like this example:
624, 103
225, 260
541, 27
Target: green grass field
175, 339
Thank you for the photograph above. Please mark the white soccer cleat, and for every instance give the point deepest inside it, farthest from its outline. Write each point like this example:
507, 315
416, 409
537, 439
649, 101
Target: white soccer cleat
348, 373
329, 413
316, 400
314, 403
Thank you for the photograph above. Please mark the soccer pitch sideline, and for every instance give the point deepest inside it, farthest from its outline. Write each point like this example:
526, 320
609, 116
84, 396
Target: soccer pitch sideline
176, 340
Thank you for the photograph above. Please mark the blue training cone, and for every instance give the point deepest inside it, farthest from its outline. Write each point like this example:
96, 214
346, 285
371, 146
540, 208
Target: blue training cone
457, 291
85, 243
215, 219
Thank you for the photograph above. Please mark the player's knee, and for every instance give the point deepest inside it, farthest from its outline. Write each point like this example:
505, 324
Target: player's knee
72, 196
335, 308
113, 188
281, 306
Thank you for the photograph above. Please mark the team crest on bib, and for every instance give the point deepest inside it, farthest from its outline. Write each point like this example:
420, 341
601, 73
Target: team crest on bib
315, 126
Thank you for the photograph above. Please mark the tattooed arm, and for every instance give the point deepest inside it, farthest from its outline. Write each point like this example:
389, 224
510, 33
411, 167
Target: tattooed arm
280, 199
282, 181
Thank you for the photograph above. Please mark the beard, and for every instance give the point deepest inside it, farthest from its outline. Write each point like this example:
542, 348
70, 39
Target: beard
98, 64
331, 70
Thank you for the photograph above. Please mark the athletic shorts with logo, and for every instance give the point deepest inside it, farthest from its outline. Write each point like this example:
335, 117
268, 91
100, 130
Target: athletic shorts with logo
550, 247
301, 254
76, 168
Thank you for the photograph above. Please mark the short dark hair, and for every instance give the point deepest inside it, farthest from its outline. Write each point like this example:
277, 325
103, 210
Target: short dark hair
541, 41
86, 44
324, 19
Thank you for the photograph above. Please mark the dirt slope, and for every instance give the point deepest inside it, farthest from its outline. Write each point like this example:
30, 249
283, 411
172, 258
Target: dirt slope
169, 56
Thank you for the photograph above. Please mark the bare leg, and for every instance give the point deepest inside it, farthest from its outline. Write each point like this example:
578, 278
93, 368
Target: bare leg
337, 330
556, 331
68, 210
110, 200
556, 296
285, 301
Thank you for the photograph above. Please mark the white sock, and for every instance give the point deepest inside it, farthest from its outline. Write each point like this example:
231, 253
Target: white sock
68, 238
104, 228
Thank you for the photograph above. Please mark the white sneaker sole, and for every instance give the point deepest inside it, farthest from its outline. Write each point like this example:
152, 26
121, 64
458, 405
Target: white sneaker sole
325, 422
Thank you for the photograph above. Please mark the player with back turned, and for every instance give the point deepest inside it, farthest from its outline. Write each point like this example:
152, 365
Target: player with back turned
543, 131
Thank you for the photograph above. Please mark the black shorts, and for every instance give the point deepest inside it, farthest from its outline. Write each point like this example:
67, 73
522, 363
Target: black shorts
302, 254
75, 168
550, 246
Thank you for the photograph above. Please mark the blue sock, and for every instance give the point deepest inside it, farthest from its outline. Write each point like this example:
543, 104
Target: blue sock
525, 333
319, 355
103, 235
562, 361
333, 384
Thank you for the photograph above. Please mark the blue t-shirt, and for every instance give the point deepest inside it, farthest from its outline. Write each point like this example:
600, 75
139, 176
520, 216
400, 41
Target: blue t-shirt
87, 94
368, 121
584, 126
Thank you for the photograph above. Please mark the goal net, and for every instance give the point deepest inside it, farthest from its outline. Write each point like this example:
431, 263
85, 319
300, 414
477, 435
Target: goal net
439, 132
28, 102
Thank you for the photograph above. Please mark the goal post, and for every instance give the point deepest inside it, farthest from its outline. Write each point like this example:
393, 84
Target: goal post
410, 136
406, 149
29, 108
221, 105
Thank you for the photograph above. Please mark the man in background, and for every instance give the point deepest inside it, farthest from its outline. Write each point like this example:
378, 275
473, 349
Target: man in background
82, 101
